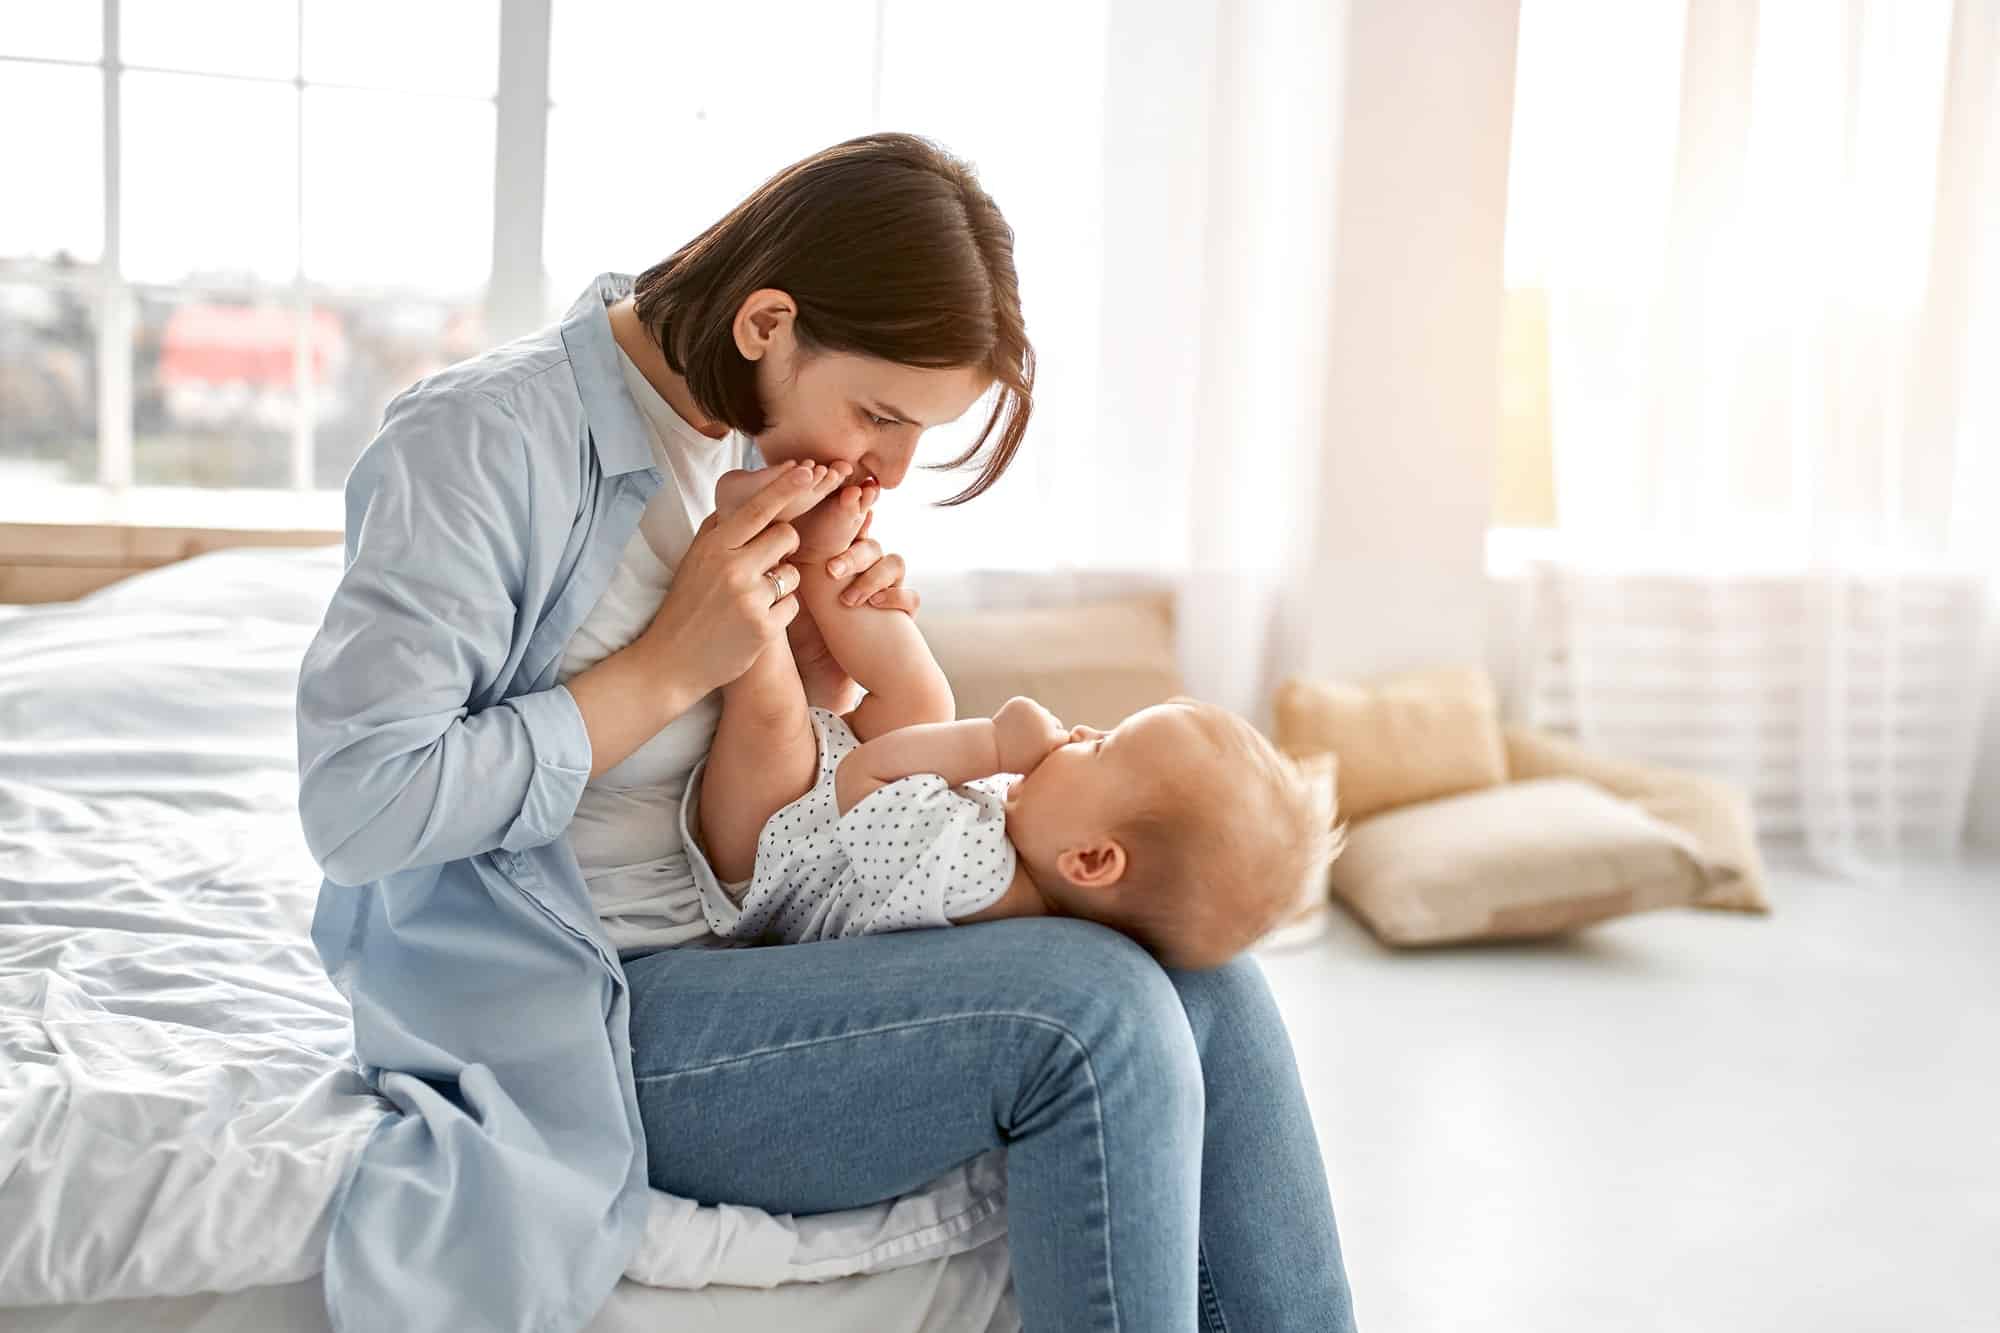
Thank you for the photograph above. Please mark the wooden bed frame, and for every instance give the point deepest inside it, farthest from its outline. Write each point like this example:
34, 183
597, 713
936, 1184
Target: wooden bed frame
55, 562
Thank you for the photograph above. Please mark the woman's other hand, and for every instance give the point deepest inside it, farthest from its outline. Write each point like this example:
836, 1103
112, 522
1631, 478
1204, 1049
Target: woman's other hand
878, 578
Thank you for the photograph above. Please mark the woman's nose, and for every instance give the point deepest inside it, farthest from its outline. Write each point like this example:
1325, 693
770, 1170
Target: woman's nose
890, 466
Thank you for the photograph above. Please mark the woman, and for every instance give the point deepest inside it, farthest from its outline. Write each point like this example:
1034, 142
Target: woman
518, 666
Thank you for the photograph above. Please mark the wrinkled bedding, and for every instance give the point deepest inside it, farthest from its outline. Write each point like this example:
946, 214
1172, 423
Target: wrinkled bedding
177, 1096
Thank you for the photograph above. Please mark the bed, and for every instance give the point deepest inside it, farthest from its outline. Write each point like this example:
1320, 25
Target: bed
177, 1095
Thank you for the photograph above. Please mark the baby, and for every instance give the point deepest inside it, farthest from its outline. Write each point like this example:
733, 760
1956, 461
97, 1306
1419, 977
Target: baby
1182, 827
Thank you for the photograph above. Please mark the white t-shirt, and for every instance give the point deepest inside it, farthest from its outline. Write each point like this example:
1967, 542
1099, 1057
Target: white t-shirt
626, 831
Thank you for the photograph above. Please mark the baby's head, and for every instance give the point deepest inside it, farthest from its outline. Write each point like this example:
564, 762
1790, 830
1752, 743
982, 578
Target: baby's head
1182, 826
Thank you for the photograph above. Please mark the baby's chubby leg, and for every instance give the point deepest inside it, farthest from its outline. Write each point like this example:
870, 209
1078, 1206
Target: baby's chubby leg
764, 755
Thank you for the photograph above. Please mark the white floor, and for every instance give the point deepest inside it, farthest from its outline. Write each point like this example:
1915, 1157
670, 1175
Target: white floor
1697, 1122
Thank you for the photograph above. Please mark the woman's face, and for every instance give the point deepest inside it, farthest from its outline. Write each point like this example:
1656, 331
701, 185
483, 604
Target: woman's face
833, 407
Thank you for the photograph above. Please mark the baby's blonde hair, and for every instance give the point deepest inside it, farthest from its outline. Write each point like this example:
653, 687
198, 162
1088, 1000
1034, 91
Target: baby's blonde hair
1223, 847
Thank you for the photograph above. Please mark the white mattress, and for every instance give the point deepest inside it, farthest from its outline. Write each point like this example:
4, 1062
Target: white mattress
177, 1101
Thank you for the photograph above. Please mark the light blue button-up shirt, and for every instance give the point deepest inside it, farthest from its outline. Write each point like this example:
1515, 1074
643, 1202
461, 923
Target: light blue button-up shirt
439, 763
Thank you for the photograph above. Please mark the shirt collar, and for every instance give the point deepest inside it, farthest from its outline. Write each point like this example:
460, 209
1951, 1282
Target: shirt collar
666, 422
616, 428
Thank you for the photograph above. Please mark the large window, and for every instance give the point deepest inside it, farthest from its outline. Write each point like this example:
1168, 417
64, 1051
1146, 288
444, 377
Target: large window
240, 228
244, 225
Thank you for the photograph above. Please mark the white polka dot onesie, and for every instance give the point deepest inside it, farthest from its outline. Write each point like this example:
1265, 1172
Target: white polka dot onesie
913, 854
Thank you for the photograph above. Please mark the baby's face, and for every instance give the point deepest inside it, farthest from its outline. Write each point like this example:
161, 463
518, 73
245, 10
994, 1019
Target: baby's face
1076, 796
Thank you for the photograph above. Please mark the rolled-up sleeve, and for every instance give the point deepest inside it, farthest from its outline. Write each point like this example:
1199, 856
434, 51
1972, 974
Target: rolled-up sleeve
395, 768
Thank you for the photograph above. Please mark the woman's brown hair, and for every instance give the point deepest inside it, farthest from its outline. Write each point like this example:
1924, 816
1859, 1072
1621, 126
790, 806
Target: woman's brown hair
890, 249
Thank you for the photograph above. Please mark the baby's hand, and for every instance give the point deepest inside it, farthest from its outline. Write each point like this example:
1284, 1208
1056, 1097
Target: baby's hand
733, 488
1025, 733
829, 529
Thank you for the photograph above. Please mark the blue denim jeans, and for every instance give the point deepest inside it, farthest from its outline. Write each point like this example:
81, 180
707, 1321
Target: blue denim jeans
1162, 1171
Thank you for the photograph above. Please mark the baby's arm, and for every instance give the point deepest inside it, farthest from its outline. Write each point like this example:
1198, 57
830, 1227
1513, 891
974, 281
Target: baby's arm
882, 649
1013, 740
764, 755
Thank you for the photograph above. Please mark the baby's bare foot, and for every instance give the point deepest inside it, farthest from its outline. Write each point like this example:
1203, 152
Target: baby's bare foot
830, 527
733, 488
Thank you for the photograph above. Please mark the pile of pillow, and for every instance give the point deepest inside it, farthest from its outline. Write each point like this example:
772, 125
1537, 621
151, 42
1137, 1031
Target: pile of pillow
1461, 828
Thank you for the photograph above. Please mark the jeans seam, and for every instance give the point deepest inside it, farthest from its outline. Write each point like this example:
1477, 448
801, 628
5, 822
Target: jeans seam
1090, 1068
1211, 1308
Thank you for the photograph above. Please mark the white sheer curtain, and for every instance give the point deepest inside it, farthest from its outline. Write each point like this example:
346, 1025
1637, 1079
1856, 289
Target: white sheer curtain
1176, 283
1774, 292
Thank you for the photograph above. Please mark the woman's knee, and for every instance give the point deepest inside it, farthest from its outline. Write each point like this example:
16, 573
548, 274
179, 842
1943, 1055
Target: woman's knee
1235, 996
1112, 997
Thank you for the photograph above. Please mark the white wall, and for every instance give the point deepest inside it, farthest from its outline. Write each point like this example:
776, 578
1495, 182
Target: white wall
1413, 369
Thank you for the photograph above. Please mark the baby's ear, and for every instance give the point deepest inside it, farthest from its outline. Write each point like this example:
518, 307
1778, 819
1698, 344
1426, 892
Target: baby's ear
1097, 866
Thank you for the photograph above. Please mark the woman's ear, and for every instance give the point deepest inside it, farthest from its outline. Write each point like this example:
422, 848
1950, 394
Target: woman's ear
764, 324
1098, 866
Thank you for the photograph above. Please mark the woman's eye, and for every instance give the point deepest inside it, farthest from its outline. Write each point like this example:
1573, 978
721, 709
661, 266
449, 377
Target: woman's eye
874, 420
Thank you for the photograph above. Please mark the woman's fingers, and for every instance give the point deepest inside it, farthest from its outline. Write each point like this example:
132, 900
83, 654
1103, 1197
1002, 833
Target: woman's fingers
781, 614
884, 573
761, 509
857, 558
897, 598
787, 578
766, 549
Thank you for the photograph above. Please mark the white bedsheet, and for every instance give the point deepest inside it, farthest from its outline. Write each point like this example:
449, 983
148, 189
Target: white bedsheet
177, 1102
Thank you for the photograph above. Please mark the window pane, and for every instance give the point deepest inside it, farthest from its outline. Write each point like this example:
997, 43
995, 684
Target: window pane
213, 394
55, 176
211, 36
56, 32
210, 178
710, 136
585, 37
440, 46
399, 191
390, 346
48, 386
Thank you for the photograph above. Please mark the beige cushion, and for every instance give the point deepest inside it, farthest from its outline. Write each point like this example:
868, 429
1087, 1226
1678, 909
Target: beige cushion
1714, 812
1094, 664
1404, 738
1522, 859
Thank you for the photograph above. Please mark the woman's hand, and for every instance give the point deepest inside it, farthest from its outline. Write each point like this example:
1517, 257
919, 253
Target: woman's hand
878, 578
723, 608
